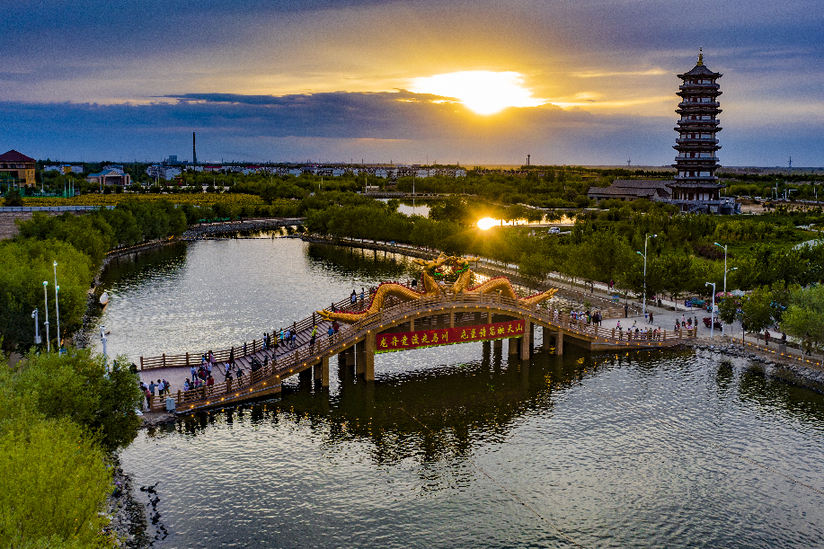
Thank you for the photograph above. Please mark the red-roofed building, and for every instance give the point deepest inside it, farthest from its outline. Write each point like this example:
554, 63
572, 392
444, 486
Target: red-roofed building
17, 169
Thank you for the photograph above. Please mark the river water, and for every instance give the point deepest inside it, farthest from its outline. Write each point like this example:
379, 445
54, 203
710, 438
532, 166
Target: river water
458, 446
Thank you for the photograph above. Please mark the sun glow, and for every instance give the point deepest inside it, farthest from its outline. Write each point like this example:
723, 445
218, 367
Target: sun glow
487, 223
484, 92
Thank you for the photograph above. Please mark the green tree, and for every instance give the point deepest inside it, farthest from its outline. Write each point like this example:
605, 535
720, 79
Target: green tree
55, 487
13, 198
757, 310
26, 264
79, 387
804, 318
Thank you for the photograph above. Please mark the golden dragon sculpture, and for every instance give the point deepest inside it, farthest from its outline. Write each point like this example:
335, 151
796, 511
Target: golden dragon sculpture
431, 288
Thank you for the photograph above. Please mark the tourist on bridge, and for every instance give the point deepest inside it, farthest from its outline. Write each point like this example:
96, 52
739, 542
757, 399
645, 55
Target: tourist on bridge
354, 297
313, 335
330, 332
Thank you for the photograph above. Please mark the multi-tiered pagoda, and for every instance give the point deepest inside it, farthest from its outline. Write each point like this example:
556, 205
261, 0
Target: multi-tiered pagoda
696, 187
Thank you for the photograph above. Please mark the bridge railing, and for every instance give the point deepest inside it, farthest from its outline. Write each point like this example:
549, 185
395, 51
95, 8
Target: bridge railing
550, 316
293, 361
245, 349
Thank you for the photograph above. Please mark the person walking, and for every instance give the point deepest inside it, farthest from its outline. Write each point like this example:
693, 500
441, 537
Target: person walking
766, 338
313, 335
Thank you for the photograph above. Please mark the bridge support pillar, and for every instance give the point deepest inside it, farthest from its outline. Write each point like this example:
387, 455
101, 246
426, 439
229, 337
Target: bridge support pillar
360, 358
526, 341
451, 319
514, 343
412, 325
369, 355
559, 342
305, 377
322, 372
499, 343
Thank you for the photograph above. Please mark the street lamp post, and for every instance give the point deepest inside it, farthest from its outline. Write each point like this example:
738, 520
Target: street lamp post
46, 296
36, 317
103, 340
725, 279
644, 255
712, 311
57, 305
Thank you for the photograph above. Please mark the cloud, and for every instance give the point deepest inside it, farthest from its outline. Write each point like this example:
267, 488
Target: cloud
375, 124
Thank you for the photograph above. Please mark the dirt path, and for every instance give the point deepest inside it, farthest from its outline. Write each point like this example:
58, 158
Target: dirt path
8, 228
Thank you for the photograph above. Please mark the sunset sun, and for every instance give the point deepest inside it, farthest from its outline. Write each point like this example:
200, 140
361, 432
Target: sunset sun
483, 92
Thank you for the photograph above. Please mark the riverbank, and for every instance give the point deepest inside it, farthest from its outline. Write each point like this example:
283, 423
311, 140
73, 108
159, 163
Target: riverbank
774, 364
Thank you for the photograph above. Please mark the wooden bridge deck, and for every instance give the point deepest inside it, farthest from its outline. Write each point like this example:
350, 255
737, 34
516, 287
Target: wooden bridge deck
459, 310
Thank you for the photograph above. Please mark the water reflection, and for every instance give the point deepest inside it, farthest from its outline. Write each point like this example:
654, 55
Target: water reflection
466, 446
354, 262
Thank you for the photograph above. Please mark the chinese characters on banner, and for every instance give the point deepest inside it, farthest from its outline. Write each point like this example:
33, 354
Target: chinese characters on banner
386, 343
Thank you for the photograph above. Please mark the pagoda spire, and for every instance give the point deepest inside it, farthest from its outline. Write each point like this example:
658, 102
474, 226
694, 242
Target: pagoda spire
700, 57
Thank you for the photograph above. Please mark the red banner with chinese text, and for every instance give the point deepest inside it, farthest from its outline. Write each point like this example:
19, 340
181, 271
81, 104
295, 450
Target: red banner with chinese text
386, 343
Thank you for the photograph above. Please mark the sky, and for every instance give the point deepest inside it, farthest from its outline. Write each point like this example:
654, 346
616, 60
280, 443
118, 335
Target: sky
592, 82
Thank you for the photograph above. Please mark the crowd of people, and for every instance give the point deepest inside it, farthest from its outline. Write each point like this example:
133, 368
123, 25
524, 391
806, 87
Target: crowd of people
161, 387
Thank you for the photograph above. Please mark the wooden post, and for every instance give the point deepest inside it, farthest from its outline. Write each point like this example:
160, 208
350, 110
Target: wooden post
187, 359
141, 363
164, 360
559, 343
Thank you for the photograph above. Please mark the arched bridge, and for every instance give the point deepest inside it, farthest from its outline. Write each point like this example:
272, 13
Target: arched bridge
455, 314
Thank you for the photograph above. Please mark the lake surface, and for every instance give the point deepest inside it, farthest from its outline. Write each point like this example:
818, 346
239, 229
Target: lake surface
458, 446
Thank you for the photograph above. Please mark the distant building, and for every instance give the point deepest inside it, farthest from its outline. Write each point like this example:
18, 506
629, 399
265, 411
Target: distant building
110, 176
17, 169
158, 172
695, 187
64, 168
633, 189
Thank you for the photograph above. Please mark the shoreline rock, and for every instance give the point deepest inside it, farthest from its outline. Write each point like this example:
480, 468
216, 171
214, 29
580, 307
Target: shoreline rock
129, 517
785, 368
